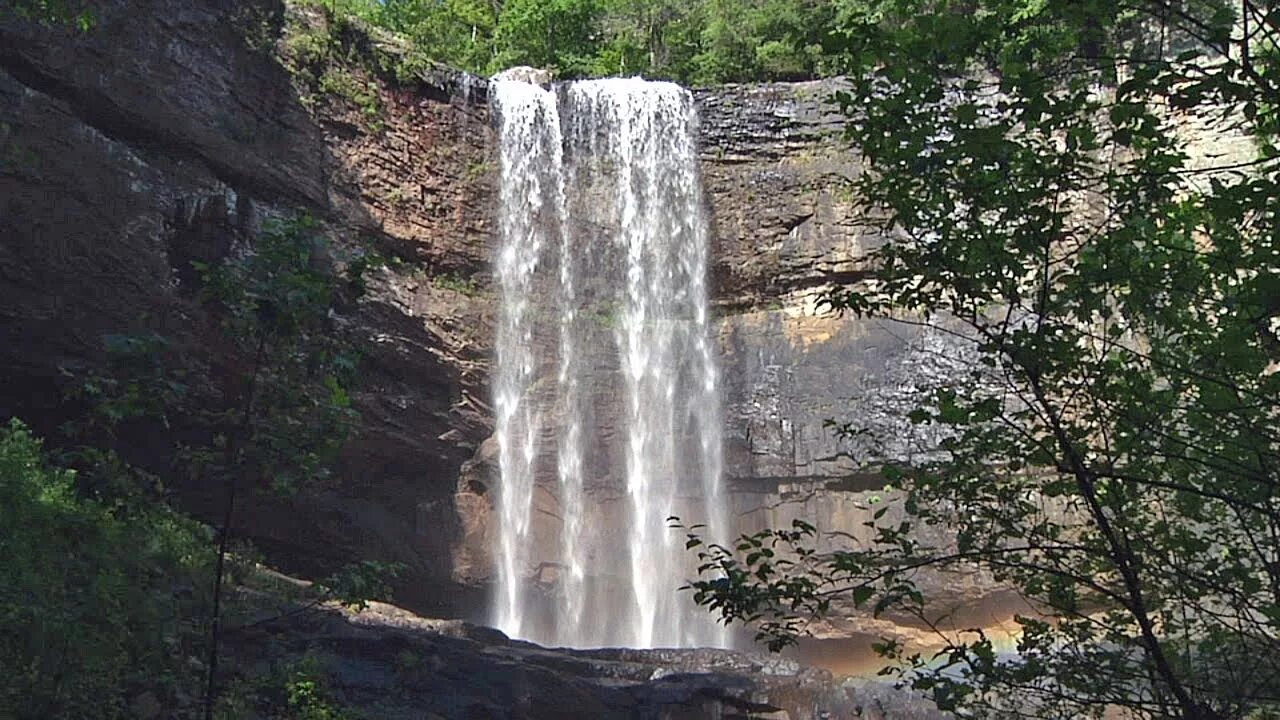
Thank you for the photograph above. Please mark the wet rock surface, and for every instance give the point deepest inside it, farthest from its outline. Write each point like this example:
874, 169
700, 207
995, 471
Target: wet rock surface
391, 664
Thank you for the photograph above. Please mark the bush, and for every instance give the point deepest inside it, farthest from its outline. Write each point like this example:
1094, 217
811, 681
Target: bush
96, 602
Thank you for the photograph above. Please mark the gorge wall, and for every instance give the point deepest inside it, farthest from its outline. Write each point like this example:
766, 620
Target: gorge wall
168, 134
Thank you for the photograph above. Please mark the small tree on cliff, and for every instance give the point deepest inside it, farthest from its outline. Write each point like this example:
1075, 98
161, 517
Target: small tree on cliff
285, 410
1114, 455
264, 410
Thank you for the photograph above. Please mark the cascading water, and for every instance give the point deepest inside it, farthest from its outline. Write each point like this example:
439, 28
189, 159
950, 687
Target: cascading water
606, 387
532, 187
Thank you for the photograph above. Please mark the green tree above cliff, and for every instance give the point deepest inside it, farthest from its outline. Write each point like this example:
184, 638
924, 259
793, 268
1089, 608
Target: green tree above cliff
701, 41
1080, 198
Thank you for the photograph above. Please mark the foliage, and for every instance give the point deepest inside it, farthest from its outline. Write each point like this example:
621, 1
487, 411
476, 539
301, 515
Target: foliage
295, 687
456, 283
327, 63
286, 406
356, 583
308, 696
655, 39
703, 41
264, 410
287, 411
95, 599
546, 33
1112, 449
342, 83
148, 382
69, 13
459, 32
769, 40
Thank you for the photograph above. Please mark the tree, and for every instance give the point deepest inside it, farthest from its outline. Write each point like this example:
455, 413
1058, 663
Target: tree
547, 34
703, 41
746, 40
650, 38
263, 410
460, 32
285, 411
1112, 451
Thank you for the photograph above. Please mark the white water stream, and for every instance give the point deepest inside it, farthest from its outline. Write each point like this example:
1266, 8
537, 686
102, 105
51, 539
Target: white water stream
606, 388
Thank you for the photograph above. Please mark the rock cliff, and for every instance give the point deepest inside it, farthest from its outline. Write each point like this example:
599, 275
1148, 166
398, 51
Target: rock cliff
168, 134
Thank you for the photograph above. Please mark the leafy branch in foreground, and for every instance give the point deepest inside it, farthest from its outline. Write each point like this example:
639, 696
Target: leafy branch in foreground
1113, 284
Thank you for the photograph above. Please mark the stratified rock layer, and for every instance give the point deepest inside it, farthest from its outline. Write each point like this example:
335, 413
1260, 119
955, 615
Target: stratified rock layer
168, 134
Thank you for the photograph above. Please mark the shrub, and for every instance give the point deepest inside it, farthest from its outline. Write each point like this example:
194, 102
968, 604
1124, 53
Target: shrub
95, 600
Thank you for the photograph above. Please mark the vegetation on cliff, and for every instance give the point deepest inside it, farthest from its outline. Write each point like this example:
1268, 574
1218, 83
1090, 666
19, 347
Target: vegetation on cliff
110, 597
54, 12
94, 597
698, 42
1080, 197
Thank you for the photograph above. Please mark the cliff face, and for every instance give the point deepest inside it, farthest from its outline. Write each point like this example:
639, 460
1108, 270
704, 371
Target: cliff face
787, 228
168, 134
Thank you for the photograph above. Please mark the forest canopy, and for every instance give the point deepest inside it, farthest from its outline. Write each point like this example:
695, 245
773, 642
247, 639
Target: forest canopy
697, 42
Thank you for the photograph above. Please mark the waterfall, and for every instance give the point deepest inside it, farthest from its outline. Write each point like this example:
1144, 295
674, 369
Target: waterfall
533, 190
606, 389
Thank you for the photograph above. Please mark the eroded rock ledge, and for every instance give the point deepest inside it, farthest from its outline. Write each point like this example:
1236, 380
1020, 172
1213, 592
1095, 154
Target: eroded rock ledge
393, 665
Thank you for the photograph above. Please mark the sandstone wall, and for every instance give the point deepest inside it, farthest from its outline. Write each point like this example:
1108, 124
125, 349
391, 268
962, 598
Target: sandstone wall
168, 133
165, 136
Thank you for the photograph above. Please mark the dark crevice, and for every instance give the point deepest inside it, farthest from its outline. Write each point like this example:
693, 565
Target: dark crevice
842, 482
780, 287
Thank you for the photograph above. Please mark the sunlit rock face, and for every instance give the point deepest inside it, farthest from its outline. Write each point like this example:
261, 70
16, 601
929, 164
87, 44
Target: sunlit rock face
163, 137
787, 227
606, 388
